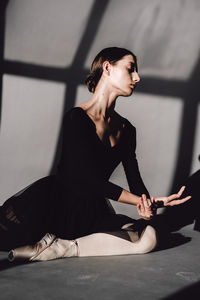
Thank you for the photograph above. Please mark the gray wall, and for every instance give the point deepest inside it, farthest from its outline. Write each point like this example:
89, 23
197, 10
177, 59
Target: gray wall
48, 48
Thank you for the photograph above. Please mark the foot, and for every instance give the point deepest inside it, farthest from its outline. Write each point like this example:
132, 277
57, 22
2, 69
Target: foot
30, 251
58, 249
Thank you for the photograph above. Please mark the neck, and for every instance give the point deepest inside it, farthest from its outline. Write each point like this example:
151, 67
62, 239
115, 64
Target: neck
102, 103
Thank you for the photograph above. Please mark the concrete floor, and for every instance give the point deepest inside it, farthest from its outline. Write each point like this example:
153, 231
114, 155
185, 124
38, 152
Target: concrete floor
172, 273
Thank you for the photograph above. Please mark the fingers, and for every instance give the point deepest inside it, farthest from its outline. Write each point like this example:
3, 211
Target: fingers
180, 192
177, 202
144, 208
140, 207
176, 196
147, 205
146, 202
172, 197
153, 205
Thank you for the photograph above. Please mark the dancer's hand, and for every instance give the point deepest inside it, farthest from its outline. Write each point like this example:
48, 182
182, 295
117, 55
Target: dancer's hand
171, 200
146, 208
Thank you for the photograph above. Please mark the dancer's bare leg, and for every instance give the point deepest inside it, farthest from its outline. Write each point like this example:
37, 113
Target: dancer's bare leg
101, 244
98, 244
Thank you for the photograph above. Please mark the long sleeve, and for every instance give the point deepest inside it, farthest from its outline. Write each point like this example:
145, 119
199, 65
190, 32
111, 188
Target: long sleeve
131, 168
80, 164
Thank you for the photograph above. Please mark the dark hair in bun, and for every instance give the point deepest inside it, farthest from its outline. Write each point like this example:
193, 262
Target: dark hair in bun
112, 55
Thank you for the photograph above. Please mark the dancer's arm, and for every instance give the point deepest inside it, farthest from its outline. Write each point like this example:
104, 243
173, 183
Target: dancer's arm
145, 206
129, 198
130, 164
135, 181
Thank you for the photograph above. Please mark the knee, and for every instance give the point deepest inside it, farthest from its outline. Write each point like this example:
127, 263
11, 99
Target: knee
148, 239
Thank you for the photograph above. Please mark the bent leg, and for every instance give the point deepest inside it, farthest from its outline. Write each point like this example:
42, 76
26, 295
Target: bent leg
101, 244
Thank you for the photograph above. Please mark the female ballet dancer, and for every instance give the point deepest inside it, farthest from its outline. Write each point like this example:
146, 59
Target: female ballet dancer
72, 204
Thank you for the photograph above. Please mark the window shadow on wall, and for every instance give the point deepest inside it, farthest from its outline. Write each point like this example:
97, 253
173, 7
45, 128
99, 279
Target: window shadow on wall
188, 92
74, 75
3, 5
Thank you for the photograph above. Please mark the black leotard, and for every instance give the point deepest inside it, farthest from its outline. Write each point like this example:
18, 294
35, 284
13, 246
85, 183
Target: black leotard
73, 202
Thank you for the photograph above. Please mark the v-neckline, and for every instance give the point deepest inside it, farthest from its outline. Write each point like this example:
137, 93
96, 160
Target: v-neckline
108, 147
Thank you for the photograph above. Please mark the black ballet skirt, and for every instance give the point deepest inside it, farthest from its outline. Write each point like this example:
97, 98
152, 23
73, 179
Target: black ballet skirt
74, 202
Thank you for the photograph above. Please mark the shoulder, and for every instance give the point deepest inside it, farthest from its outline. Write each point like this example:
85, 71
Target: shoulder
127, 124
74, 113
76, 117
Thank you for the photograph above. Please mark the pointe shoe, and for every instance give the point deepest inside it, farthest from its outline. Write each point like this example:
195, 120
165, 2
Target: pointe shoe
30, 251
58, 249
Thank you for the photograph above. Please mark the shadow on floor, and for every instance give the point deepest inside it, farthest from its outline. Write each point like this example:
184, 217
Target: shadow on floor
173, 240
184, 214
191, 292
5, 264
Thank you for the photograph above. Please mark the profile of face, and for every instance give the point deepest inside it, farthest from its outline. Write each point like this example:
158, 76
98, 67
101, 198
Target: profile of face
122, 76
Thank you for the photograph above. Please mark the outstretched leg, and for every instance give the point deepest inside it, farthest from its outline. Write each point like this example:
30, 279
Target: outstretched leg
98, 244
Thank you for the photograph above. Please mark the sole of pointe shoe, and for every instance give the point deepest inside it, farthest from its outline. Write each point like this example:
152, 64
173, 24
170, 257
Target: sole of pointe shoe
147, 241
11, 256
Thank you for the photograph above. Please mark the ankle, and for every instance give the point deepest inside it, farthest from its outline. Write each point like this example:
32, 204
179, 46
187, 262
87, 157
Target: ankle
69, 247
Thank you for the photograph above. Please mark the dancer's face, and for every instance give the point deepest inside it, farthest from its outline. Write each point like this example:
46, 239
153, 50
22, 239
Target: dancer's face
123, 76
